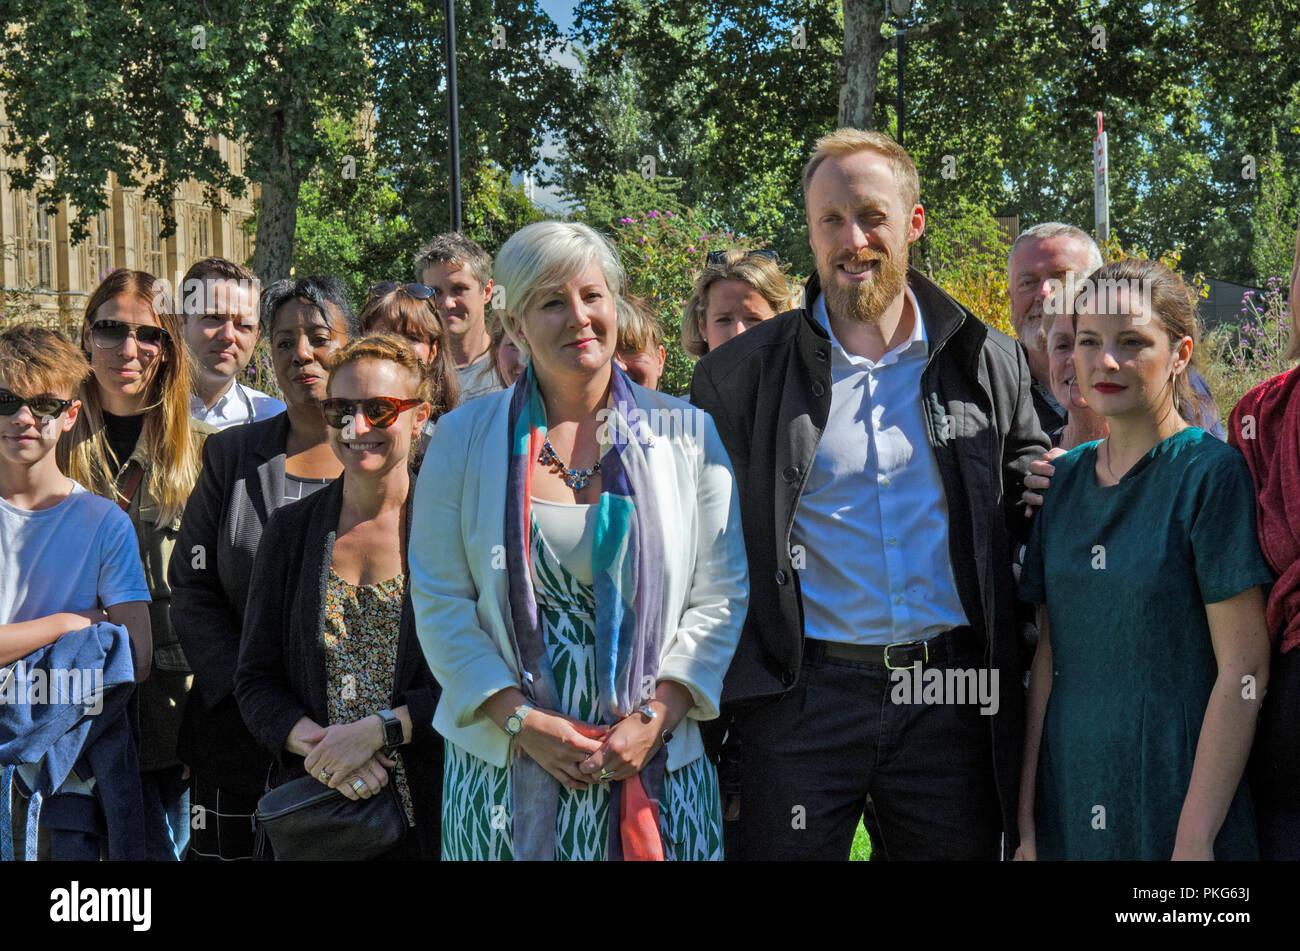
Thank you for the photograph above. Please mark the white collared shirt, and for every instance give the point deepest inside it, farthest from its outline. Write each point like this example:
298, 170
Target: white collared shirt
239, 404
872, 522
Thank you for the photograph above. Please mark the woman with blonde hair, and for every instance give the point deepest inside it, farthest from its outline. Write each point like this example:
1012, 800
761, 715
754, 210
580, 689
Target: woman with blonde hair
736, 290
135, 443
579, 584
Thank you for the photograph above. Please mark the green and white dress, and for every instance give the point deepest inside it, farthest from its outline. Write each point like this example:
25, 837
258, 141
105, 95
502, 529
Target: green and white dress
476, 821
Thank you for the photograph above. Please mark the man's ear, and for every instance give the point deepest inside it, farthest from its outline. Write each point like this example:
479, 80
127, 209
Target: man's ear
487, 292
916, 226
663, 357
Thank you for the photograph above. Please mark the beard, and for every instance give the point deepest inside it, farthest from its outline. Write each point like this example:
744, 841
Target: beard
865, 302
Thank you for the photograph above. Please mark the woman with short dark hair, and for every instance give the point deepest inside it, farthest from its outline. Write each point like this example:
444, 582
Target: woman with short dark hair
248, 472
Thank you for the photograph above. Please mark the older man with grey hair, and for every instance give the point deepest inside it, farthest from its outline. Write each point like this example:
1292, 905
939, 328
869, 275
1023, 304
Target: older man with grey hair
1040, 257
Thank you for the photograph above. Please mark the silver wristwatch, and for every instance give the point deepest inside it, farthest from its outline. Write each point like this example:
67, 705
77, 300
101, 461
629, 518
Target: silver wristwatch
515, 722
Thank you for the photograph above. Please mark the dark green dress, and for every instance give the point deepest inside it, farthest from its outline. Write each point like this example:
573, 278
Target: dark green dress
1126, 572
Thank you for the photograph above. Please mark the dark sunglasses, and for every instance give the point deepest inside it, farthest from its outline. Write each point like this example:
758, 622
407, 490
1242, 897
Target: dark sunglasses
718, 257
382, 411
384, 288
41, 406
109, 334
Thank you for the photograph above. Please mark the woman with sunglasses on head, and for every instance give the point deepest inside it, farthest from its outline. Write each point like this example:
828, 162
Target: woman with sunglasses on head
134, 442
1153, 649
330, 676
736, 290
579, 581
248, 472
407, 310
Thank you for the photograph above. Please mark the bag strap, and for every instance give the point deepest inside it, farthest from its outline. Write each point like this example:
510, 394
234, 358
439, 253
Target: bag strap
135, 475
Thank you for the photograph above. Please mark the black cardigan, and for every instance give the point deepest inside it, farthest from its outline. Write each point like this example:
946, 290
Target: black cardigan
281, 674
241, 484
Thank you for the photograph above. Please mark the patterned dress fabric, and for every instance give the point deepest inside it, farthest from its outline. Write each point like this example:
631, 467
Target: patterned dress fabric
476, 795
361, 631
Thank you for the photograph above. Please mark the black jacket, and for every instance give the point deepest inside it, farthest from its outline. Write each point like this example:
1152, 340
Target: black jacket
241, 484
769, 392
281, 675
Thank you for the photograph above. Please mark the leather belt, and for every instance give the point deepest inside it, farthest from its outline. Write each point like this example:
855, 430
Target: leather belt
940, 649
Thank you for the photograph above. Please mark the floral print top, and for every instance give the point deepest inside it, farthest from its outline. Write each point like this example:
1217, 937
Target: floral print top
362, 623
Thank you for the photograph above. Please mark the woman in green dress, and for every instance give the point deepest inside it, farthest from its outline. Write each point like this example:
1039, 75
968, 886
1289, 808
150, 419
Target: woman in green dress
579, 582
1153, 658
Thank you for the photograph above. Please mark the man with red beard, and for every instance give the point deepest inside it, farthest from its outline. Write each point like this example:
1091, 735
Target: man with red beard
880, 436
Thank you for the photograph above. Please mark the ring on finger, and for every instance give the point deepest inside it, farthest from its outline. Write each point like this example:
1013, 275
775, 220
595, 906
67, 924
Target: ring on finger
605, 774
358, 784
325, 777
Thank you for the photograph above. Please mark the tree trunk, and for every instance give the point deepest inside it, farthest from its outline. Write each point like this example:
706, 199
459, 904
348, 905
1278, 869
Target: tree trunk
860, 64
277, 210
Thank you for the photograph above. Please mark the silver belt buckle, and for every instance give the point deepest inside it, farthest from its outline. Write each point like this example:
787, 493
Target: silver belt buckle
924, 644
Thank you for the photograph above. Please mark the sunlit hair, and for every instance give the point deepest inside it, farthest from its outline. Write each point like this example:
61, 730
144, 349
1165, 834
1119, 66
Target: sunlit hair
1173, 305
761, 273
1057, 229
36, 361
399, 313
497, 335
848, 141
213, 269
639, 329
317, 290
394, 349
455, 248
541, 257
170, 446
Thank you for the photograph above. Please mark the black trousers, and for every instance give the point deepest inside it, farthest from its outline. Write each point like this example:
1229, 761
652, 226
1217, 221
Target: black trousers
813, 756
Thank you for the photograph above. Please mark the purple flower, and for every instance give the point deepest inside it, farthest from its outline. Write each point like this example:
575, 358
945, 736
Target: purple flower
668, 214
691, 250
653, 214
627, 221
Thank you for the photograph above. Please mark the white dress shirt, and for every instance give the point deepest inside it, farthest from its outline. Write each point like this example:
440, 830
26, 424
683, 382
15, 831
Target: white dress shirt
239, 404
871, 528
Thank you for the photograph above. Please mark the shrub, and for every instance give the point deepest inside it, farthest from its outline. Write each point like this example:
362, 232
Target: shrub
1238, 358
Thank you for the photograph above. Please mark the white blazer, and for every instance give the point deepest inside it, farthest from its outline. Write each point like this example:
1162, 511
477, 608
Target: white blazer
459, 583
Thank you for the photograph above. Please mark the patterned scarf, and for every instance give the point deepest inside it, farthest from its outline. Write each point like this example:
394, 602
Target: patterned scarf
627, 560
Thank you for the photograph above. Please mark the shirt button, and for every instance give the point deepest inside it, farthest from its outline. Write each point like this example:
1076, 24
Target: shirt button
891, 540
780, 576
898, 599
822, 354
788, 678
818, 389
790, 473
884, 480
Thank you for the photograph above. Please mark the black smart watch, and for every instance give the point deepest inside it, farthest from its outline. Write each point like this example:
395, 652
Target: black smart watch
392, 729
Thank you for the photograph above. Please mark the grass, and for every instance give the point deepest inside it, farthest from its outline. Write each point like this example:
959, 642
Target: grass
861, 850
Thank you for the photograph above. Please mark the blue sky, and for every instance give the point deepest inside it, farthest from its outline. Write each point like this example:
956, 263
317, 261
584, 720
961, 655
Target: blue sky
561, 11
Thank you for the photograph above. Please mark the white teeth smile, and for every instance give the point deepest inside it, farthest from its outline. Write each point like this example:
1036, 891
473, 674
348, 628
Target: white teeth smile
857, 268
359, 446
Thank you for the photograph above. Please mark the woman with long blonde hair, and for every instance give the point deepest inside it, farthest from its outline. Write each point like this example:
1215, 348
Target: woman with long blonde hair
136, 444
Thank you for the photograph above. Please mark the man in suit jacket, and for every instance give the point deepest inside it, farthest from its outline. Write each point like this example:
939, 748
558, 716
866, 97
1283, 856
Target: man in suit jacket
880, 436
